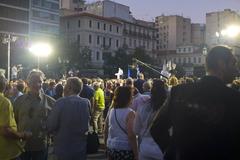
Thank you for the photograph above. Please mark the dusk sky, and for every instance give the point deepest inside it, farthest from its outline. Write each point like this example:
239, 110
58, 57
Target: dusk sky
194, 9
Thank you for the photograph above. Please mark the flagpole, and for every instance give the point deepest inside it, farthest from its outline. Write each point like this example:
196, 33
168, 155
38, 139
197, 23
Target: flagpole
146, 65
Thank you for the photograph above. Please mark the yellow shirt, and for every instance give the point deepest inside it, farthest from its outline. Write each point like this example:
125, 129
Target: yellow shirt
99, 98
9, 148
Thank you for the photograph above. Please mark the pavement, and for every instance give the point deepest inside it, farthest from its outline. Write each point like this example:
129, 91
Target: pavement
97, 156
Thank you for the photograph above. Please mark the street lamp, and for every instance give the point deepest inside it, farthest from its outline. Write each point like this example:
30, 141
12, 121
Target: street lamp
40, 50
8, 40
231, 31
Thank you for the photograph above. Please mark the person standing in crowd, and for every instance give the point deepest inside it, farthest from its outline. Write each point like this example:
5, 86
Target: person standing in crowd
31, 112
108, 95
87, 91
69, 122
10, 147
18, 89
119, 137
98, 108
147, 86
139, 82
58, 91
148, 149
51, 89
204, 116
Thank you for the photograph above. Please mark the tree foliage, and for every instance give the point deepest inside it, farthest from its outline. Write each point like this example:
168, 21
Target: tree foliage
78, 58
120, 60
140, 54
123, 60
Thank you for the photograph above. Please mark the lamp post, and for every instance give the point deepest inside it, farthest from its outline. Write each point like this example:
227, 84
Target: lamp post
40, 50
7, 40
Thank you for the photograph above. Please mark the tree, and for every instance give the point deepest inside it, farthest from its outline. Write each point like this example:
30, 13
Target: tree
112, 63
140, 54
180, 72
79, 58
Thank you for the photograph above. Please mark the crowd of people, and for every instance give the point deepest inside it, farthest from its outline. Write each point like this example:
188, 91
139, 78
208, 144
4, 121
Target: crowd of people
145, 119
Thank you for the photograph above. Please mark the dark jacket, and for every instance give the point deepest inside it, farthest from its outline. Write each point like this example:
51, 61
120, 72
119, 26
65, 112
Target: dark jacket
205, 118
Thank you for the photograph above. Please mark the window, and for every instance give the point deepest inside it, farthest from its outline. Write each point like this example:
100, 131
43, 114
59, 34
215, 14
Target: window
68, 24
98, 56
104, 41
194, 60
110, 28
184, 60
184, 50
117, 29
79, 23
134, 43
104, 27
130, 42
90, 39
90, 24
189, 49
199, 59
98, 25
117, 43
78, 38
90, 55
110, 42
98, 40
124, 40
189, 60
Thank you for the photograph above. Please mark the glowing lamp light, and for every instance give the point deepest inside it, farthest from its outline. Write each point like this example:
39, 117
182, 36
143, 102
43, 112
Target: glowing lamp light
233, 31
41, 49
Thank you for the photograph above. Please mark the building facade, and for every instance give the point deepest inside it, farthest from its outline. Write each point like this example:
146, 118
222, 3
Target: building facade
216, 22
173, 31
14, 17
198, 34
140, 34
44, 20
189, 57
14, 21
99, 34
105, 8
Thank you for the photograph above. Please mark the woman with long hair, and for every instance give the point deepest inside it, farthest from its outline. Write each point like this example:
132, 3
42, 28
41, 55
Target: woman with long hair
148, 149
119, 136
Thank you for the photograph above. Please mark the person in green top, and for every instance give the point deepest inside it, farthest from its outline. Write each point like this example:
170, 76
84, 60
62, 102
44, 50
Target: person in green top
10, 147
98, 107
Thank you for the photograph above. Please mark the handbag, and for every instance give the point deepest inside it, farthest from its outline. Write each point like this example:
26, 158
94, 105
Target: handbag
92, 143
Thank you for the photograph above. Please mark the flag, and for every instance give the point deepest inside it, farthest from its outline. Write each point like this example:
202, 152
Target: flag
138, 71
129, 72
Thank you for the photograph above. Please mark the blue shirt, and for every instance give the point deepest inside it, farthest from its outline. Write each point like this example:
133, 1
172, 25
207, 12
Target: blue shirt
87, 92
69, 121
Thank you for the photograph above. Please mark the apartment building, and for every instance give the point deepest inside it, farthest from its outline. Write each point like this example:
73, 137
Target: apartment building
44, 20
139, 34
218, 21
99, 34
173, 31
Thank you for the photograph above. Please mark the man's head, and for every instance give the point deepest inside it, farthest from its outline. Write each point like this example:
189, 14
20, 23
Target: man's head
3, 83
147, 86
129, 82
85, 81
73, 86
220, 62
35, 80
96, 85
140, 76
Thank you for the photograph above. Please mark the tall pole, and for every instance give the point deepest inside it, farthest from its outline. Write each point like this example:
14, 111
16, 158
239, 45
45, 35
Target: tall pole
38, 62
9, 50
